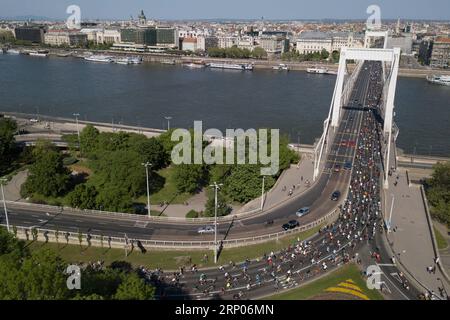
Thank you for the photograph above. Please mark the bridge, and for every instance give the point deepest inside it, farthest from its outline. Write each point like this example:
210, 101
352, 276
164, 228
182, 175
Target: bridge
359, 131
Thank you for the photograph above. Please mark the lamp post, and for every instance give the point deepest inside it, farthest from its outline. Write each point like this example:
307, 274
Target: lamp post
262, 193
76, 115
216, 187
168, 122
390, 214
146, 165
4, 203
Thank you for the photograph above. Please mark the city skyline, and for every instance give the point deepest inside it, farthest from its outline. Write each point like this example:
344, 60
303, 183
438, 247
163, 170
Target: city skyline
233, 9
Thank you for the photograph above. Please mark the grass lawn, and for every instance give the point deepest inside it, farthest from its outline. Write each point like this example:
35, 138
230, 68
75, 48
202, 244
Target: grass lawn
440, 240
318, 288
168, 192
166, 259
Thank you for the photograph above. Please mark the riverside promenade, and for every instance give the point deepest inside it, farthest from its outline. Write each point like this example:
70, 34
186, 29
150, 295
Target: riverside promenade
411, 238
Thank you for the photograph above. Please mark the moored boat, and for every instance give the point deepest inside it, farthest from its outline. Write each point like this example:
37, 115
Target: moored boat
441, 80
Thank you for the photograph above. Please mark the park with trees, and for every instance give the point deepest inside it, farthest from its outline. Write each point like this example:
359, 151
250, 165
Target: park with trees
438, 192
105, 172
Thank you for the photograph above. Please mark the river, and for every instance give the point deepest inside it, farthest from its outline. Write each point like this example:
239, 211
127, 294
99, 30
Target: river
295, 102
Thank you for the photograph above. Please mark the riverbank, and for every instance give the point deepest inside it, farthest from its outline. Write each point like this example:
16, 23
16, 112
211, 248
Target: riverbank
258, 64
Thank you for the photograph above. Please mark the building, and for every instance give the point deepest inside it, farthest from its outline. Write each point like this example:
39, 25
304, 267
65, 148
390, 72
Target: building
108, 36
166, 37
205, 43
440, 55
246, 42
425, 50
274, 44
189, 44
91, 33
227, 41
65, 38
146, 36
316, 42
33, 34
404, 42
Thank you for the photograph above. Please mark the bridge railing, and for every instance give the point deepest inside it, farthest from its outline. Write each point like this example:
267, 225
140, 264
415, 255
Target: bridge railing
53, 235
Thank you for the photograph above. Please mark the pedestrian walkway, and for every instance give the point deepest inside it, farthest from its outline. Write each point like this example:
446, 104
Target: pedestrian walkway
410, 238
293, 181
12, 188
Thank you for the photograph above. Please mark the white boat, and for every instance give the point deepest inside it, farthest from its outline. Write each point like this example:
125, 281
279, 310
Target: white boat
281, 67
40, 53
128, 60
169, 62
441, 80
317, 70
195, 65
12, 51
99, 58
243, 67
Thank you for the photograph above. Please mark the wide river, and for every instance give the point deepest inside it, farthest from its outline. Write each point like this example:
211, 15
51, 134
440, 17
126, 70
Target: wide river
296, 102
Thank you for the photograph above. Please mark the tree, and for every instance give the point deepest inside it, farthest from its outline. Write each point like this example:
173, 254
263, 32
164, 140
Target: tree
438, 192
152, 150
190, 177
245, 182
83, 197
47, 176
259, 53
8, 129
324, 54
223, 209
134, 288
89, 139
43, 277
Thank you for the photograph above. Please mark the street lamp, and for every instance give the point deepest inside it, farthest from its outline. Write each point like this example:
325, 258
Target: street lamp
168, 122
3, 180
390, 214
76, 115
216, 187
262, 193
146, 165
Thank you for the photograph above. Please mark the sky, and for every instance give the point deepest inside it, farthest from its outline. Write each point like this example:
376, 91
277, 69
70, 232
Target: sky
234, 9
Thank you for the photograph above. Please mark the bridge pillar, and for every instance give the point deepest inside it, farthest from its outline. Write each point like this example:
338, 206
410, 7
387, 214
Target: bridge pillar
337, 99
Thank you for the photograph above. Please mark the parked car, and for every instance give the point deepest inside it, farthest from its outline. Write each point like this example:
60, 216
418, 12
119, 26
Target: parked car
302, 212
206, 229
291, 225
337, 168
335, 195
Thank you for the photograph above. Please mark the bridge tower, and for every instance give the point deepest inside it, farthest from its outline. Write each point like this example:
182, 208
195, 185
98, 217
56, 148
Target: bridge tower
342, 91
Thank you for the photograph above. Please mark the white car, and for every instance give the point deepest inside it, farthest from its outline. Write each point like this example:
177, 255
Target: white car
207, 229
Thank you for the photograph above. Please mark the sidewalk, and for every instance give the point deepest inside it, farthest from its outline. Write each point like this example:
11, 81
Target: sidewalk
290, 178
410, 238
12, 188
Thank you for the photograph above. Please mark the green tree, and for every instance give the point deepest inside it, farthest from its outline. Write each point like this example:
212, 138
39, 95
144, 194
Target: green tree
43, 277
190, 178
47, 176
83, 197
438, 192
223, 209
259, 53
8, 129
245, 182
134, 288
89, 139
152, 150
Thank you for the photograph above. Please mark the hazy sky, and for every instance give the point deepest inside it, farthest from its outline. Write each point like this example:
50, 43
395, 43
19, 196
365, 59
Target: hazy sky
238, 9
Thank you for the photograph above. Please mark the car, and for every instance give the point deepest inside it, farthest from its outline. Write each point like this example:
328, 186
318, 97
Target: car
302, 212
290, 225
344, 143
337, 168
351, 143
34, 120
348, 165
335, 195
206, 229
